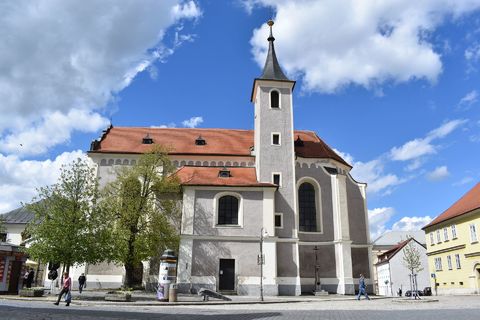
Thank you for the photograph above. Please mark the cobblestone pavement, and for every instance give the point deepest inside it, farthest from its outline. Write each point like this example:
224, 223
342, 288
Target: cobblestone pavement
457, 308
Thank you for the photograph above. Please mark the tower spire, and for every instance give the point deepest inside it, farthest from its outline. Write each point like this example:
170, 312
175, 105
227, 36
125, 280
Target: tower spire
272, 69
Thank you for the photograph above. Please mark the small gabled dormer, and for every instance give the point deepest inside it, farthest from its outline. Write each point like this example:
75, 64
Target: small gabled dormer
200, 141
147, 139
224, 173
299, 142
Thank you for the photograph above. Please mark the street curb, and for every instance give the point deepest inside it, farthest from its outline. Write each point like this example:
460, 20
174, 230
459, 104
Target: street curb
180, 303
423, 300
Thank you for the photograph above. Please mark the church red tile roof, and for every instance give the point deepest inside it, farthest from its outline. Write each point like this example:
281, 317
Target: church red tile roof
221, 142
469, 202
209, 176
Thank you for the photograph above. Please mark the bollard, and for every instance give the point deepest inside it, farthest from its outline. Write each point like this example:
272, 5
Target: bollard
172, 293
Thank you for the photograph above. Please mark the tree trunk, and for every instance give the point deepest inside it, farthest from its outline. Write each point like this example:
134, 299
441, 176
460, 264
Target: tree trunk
129, 274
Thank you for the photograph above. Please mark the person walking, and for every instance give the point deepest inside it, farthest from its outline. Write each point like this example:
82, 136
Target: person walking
362, 288
67, 287
25, 279
30, 277
82, 282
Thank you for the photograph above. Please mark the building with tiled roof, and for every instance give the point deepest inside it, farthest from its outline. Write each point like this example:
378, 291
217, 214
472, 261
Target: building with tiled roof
15, 222
236, 184
392, 274
453, 246
388, 240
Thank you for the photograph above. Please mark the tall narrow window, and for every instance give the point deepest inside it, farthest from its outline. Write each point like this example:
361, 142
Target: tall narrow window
449, 262
277, 179
307, 207
438, 236
274, 99
228, 210
457, 260
438, 264
473, 233
432, 241
276, 139
445, 234
454, 231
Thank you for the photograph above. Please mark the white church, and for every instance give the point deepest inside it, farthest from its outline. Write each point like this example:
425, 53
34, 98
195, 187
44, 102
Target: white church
287, 185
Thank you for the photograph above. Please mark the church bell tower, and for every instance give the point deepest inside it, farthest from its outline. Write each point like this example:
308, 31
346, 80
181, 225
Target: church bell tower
275, 159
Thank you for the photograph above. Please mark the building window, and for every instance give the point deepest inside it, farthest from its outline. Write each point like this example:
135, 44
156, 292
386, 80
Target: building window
449, 262
3, 237
445, 234
276, 139
454, 231
274, 99
228, 210
438, 237
279, 220
473, 233
438, 264
432, 240
277, 179
457, 260
307, 207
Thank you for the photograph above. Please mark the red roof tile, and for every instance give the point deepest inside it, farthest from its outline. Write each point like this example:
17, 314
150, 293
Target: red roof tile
469, 202
388, 255
227, 142
208, 176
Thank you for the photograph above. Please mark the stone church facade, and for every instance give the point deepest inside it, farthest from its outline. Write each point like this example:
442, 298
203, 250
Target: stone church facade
237, 184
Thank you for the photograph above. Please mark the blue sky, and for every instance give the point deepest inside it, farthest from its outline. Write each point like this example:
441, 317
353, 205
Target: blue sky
392, 86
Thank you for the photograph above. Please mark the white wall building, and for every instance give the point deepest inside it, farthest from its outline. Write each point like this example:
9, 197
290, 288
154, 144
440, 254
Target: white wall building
392, 273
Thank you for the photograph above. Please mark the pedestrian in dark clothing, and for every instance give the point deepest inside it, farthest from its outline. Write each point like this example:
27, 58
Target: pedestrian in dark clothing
25, 277
67, 287
82, 282
362, 288
30, 277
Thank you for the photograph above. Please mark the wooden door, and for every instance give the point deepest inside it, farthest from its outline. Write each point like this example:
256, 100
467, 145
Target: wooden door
14, 276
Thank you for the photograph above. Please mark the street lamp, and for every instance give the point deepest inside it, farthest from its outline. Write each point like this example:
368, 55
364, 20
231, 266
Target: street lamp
317, 267
261, 259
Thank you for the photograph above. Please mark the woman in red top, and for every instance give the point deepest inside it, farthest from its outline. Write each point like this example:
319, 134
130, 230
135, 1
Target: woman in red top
67, 287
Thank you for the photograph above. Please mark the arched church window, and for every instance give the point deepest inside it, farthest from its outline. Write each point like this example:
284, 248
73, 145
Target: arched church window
274, 99
228, 210
307, 207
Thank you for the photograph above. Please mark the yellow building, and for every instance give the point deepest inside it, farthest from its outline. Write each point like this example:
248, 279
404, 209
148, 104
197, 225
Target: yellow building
453, 246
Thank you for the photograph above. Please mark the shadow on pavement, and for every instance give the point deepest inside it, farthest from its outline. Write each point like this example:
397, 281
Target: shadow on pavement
15, 313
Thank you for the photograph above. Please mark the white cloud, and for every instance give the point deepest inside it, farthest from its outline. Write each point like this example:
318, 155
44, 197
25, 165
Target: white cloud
336, 43
438, 174
468, 100
411, 223
463, 181
20, 178
64, 57
420, 147
378, 219
193, 122
380, 181
472, 55
54, 129
412, 149
373, 173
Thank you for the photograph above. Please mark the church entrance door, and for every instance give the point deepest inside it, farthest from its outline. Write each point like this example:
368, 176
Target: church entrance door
226, 275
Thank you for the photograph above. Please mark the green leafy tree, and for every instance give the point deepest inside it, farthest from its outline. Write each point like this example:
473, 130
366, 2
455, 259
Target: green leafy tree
144, 207
69, 227
412, 261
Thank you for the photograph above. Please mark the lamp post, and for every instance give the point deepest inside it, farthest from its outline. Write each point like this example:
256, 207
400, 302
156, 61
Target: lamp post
317, 278
261, 259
